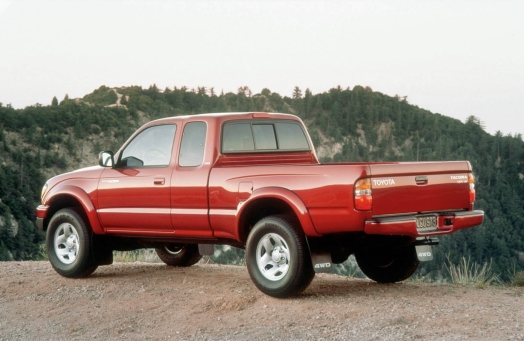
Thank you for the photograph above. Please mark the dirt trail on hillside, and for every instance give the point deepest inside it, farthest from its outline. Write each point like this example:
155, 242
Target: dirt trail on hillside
145, 301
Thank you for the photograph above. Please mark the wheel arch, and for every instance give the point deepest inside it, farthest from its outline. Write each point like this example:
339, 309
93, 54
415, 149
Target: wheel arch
71, 196
271, 201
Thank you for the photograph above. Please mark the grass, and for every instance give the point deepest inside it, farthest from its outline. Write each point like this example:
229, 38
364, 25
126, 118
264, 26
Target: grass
516, 277
418, 278
467, 272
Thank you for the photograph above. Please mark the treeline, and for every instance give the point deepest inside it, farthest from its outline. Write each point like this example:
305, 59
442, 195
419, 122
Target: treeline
20, 184
345, 124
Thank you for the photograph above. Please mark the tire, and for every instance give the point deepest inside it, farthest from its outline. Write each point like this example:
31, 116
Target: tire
179, 254
277, 257
389, 265
68, 243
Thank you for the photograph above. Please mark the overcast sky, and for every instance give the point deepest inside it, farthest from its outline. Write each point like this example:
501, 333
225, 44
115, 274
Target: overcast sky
456, 58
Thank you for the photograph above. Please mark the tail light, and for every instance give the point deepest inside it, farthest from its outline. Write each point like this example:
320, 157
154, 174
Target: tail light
363, 197
471, 180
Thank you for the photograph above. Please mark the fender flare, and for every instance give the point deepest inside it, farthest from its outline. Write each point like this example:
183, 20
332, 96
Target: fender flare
290, 198
84, 200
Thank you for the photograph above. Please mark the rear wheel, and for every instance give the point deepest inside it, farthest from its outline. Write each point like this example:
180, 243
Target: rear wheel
68, 243
389, 265
179, 254
277, 257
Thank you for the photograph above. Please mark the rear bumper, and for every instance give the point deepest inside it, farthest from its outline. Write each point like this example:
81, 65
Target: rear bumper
448, 222
41, 214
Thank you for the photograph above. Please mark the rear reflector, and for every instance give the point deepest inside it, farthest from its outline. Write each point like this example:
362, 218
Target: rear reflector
471, 180
362, 193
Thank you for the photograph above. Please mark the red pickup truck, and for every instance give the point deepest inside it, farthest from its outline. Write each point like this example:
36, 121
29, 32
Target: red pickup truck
253, 181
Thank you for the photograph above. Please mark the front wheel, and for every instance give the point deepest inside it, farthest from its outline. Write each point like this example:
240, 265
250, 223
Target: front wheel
68, 243
179, 254
388, 265
277, 257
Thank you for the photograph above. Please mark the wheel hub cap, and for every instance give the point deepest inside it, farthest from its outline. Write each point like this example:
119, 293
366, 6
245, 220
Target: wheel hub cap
65, 243
173, 249
273, 257
278, 255
71, 242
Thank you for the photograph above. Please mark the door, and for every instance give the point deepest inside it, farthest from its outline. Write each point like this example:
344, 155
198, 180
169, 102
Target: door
190, 207
135, 195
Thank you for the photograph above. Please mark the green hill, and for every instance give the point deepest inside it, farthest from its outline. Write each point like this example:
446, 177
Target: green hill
346, 125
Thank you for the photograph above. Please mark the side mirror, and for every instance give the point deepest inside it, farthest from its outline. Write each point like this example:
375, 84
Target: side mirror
106, 159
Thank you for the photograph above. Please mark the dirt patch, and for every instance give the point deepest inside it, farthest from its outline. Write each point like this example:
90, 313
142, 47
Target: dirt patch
144, 301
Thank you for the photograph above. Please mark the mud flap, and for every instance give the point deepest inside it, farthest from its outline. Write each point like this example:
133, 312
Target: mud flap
424, 253
321, 260
206, 249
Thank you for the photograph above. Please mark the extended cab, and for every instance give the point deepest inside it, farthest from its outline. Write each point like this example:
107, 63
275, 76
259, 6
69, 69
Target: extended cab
252, 180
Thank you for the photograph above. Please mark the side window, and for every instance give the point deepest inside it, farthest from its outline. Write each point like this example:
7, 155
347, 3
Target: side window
291, 136
193, 143
151, 148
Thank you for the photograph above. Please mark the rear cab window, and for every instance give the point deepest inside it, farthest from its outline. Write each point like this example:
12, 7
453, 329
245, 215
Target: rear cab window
263, 136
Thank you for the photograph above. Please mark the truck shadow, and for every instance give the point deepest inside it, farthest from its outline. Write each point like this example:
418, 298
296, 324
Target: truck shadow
215, 277
333, 286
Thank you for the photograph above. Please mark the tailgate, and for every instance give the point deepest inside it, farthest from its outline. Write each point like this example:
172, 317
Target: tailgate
402, 188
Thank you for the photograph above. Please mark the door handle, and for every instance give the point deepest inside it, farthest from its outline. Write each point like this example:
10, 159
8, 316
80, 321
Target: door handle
421, 180
160, 181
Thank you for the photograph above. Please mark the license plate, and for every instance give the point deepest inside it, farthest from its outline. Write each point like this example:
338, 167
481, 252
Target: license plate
426, 223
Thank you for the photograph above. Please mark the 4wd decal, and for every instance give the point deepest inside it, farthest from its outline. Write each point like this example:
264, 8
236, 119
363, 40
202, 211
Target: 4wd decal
322, 262
424, 253
322, 265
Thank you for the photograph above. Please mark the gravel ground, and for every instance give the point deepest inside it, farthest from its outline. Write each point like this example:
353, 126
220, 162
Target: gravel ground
145, 301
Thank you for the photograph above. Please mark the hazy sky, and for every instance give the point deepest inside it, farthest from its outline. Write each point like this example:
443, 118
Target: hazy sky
457, 58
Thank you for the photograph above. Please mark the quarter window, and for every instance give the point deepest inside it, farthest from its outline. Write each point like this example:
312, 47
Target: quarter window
193, 143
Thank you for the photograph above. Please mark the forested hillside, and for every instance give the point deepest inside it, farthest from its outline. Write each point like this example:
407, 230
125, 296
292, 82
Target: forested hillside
346, 125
